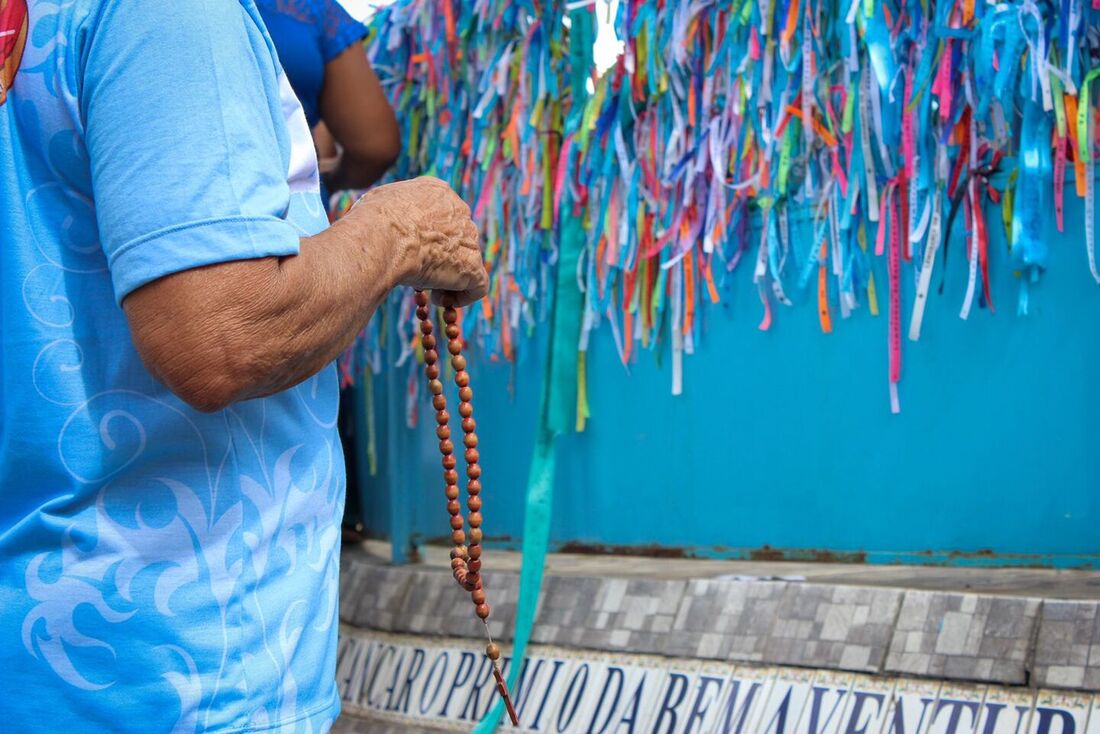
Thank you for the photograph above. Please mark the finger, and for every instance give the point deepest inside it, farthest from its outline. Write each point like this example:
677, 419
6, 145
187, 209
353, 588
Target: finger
455, 299
457, 203
473, 237
432, 181
449, 299
452, 280
463, 208
479, 285
473, 291
443, 193
465, 273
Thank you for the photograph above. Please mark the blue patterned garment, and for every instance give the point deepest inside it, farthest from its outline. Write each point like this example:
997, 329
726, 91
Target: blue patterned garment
308, 34
161, 570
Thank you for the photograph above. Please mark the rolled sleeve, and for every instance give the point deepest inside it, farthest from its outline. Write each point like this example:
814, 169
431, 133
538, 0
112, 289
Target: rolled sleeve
188, 147
341, 30
196, 244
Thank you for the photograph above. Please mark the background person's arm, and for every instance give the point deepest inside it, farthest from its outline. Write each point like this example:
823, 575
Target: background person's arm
358, 116
328, 155
245, 329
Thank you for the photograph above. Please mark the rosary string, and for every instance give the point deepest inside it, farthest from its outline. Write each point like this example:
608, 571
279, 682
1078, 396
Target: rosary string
465, 558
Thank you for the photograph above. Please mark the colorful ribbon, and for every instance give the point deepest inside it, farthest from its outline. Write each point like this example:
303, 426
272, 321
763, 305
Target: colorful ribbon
793, 130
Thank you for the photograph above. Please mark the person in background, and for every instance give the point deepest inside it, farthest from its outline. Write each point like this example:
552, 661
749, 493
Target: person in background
320, 48
328, 153
172, 301
354, 130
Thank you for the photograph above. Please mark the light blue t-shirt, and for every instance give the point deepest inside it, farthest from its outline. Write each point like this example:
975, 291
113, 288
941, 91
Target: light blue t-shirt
161, 570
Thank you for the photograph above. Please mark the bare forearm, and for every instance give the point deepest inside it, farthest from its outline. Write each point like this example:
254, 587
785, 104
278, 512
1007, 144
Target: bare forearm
319, 302
360, 119
263, 325
245, 329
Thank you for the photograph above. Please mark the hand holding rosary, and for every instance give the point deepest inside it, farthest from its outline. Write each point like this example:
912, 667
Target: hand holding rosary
465, 557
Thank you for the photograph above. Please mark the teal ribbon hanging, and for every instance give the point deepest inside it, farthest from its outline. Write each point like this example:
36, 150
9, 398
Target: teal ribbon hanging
559, 388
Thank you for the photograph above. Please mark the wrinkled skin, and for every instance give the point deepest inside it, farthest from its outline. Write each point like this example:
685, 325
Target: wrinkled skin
249, 328
438, 241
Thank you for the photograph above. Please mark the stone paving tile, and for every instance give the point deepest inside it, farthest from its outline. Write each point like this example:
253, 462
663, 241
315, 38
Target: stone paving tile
428, 600
608, 614
353, 578
963, 637
724, 620
434, 604
836, 627
565, 604
459, 620
376, 601
352, 725
421, 600
1067, 648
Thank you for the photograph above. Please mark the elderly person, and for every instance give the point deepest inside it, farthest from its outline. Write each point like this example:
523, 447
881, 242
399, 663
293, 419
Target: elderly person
356, 133
171, 305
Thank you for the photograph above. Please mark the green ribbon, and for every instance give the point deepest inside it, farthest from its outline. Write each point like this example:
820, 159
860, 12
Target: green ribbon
557, 404
1084, 143
1058, 92
559, 383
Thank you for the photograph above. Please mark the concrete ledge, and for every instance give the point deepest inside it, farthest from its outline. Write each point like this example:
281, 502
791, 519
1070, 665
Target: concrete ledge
722, 620
1067, 651
963, 637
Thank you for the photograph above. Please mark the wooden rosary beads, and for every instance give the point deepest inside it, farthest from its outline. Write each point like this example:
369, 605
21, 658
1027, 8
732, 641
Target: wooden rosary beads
465, 559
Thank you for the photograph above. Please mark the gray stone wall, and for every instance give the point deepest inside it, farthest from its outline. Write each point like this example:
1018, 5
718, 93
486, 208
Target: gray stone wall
879, 631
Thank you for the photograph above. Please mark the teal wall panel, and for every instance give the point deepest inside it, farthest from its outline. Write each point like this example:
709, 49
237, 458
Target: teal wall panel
783, 444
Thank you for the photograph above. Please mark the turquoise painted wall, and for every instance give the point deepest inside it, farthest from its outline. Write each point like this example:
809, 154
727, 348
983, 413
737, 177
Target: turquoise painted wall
784, 439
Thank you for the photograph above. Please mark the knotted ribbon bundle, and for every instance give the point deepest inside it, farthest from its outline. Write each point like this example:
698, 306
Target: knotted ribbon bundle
891, 133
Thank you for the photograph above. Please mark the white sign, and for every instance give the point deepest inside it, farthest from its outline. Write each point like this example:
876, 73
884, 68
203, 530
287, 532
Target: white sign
449, 685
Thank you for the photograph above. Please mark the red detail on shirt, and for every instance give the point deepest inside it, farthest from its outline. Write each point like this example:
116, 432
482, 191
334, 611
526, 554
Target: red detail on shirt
13, 37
